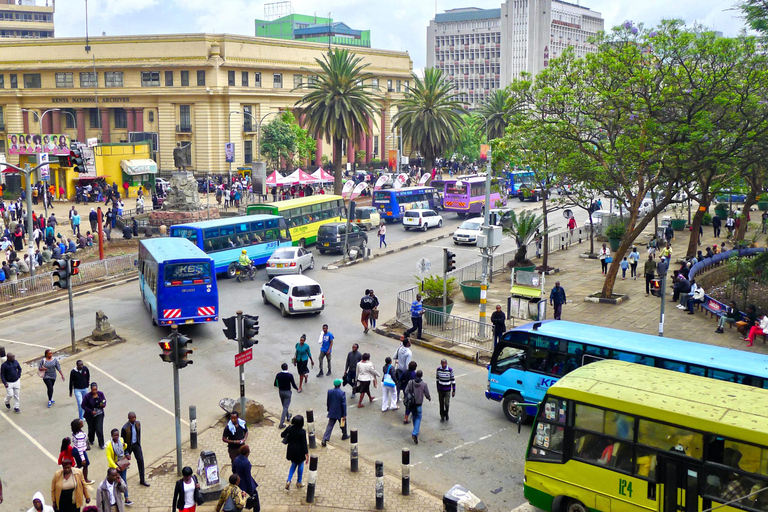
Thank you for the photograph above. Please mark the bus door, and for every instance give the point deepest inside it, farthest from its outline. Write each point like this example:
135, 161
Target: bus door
680, 481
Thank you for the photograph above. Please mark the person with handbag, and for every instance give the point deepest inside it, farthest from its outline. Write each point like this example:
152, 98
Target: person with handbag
418, 388
68, 489
388, 387
47, 369
186, 493
605, 258
336, 403
375, 310
232, 498
408, 375
118, 459
93, 409
80, 445
297, 451
300, 358
366, 305
242, 467
366, 373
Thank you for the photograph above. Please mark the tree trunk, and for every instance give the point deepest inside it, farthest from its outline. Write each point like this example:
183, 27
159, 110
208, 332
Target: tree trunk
545, 241
429, 163
750, 201
591, 235
693, 243
337, 172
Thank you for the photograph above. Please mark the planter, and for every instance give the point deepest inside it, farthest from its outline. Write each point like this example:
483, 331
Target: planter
471, 291
614, 243
722, 211
678, 224
762, 205
434, 319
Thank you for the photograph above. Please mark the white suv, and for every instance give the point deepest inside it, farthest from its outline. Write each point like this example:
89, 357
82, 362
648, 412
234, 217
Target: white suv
294, 295
421, 219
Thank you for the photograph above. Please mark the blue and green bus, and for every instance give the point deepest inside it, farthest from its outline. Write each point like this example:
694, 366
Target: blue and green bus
392, 203
177, 282
530, 358
224, 239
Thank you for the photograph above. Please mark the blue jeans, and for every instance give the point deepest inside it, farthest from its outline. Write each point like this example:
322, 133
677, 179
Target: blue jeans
124, 476
300, 465
79, 394
416, 415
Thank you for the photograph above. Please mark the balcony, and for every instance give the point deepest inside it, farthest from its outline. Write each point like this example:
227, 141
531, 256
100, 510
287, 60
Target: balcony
183, 128
248, 128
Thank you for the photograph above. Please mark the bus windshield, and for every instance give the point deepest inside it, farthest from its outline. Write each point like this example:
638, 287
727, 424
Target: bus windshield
187, 273
382, 196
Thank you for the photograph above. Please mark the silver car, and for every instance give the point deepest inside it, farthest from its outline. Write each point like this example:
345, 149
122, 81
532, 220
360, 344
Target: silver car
289, 260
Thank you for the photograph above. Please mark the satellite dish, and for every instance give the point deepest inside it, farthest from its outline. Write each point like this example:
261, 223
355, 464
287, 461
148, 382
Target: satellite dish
568, 214
423, 265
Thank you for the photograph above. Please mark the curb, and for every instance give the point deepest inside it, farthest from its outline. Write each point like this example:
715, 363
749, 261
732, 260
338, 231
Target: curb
338, 263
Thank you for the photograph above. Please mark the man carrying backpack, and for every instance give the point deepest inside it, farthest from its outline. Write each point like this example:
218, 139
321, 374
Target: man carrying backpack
366, 304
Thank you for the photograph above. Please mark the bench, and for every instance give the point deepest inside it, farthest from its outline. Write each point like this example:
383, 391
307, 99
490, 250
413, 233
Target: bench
715, 308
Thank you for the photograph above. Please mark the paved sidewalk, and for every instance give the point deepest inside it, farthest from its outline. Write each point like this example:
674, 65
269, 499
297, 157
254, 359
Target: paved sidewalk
337, 488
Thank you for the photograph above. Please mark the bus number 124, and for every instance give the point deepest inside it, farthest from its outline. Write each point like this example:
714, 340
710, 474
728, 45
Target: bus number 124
625, 488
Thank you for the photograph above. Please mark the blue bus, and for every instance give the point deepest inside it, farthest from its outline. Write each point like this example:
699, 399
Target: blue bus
518, 180
224, 239
177, 282
392, 203
530, 358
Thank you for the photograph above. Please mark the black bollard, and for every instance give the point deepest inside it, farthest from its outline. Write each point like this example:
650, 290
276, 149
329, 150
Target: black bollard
406, 472
311, 478
379, 485
311, 429
353, 451
193, 427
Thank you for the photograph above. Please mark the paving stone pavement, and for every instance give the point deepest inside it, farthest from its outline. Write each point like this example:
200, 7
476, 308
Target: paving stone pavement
337, 487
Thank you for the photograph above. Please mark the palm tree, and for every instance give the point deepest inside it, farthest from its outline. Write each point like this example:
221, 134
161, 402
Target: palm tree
523, 227
430, 115
496, 110
339, 103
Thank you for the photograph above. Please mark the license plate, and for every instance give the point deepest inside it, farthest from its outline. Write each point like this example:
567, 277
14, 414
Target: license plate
279, 265
190, 321
307, 302
326, 245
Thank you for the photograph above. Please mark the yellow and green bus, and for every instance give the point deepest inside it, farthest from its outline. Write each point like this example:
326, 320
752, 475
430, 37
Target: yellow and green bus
614, 436
304, 215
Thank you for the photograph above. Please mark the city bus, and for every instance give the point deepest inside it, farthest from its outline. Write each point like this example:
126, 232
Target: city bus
530, 358
392, 203
177, 282
467, 196
518, 180
224, 239
304, 215
618, 436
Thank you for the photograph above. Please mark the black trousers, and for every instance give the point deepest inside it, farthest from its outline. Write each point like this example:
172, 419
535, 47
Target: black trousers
49, 386
648, 278
716, 231
416, 320
138, 456
95, 428
444, 397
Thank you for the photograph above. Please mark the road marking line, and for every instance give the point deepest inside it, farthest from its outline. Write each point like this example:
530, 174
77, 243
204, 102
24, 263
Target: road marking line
439, 455
31, 439
129, 388
29, 345
470, 373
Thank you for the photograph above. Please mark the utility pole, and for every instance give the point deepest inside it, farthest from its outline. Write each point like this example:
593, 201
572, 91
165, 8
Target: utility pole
484, 250
242, 367
175, 351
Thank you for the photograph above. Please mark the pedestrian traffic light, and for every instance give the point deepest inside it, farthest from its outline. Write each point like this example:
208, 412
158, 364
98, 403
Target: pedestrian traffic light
182, 351
167, 345
76, 160
656, 287
250, 329
231, 327
450, 261
65, 161
75, 267
61, 274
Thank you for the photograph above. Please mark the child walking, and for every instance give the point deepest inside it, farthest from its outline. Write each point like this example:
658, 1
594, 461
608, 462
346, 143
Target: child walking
624, 267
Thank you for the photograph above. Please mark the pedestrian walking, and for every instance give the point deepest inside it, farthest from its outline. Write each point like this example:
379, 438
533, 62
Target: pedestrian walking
76, 223
408, 375
235, 435
68, 489
366, 373
382, 234
350, 367
604, 254
38, 504
10, 372
93, 219
242, 467
374, 310
79, 382
730, 225
634, 259
300, 358
624, 264
417, 312
326, 347
67, 452
232, 498
186, 492
446, 388
388, 387
94, 404
336, 404
366, 305
131, 432
499, 321
420, 391
649, 269
571, 228
47, 369
557, 299
402, 359
716, 224
118, 459
297, 450
80, 443
284, 382
109, 494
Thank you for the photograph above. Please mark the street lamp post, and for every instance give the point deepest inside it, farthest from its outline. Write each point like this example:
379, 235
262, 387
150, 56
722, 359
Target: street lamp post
40, 119
229, 139
258, 140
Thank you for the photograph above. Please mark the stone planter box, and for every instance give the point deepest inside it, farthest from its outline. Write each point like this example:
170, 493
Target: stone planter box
471, 291
678, 224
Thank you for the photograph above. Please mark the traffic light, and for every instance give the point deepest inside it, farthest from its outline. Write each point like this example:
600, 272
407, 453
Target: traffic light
61, 273
75, 267
167, 345
656, 287
76, 160
231, 327
450, 261
182, 351
65, 161
250, 329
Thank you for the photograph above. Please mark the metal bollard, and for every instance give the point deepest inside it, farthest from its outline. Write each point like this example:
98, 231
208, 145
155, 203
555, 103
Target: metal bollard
193, 427
311, 478
353, 451
311, 429
406, 472
379, 485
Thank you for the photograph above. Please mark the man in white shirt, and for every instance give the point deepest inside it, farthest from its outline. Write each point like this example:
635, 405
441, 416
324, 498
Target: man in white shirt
109, 495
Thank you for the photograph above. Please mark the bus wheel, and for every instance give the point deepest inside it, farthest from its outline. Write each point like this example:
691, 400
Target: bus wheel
512, 410
575, 506
303, 242
232, 270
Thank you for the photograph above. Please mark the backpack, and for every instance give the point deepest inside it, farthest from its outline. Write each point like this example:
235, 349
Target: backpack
409, 398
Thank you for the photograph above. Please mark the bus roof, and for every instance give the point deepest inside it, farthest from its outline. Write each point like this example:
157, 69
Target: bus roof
301, 201
226, 221
406, 189
724, 408
738, 361
173, 248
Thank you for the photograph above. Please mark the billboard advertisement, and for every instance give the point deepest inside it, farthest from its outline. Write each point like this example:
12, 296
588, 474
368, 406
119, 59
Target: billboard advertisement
31, 143
229, 152
393, 159
484, 148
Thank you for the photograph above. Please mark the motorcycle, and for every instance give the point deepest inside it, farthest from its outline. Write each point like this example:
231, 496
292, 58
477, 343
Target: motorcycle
242, 272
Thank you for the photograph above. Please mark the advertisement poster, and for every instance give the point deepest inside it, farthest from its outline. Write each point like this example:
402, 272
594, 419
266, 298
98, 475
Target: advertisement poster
32, 143
400, 180
393, 159
229, 151
484, 149
45, 172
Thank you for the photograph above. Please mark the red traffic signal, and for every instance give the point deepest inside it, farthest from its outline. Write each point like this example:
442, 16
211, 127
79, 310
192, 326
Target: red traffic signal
656, 287
168, 354
75, 267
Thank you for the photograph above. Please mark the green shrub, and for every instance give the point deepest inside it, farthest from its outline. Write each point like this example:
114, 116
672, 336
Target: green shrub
616, 231
707, 219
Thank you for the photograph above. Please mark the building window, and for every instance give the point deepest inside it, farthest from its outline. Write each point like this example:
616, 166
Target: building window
120, 119
169, 78
407, 85
248, 151
312, 79
389, 86
277, 81
200, 77
247, 118
32, 81
399, 85
185, 78
69, 117
231, 78
375, 144
375, 84
244, 78
150, 79
115, 79
2, 81
2, 145
185, 118
93, 118
2, 120
257, 79
64, 80
87, 80
297, 81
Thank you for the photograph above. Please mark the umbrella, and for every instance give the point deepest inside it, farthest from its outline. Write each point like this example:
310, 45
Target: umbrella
322, 175
300, 177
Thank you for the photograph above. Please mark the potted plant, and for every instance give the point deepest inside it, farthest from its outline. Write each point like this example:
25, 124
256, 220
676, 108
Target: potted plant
706, 220
523, 227
471, 290
762, 201
678, 222
432, 297
615, 232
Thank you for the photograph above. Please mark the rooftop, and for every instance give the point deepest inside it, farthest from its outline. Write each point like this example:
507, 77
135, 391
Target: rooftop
467, 14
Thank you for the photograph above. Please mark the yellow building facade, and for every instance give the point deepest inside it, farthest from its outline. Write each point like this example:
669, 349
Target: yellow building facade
199, 90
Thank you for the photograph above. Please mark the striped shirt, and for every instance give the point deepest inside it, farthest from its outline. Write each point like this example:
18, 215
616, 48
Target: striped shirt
416, 308
445, 379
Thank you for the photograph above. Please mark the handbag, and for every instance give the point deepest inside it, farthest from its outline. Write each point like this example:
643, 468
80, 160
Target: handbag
388, 381
375, 314
609, 259
123, 463
229, 505
252, 502
41, 371
198, 495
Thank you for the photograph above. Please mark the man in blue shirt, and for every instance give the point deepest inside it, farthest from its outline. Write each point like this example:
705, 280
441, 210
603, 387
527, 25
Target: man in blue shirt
417, 311
326, 346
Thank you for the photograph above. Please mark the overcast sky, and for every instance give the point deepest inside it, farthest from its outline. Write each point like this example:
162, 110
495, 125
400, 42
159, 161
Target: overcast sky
394, 24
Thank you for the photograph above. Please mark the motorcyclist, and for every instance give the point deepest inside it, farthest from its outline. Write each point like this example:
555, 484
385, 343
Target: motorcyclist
244, 261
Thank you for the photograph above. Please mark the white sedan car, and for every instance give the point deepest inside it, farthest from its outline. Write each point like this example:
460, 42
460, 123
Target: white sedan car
289, 260
468, 231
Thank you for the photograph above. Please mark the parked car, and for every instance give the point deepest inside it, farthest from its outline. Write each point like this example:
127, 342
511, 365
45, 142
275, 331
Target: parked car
367, 217
421, 219
294, 295
289, 260
468, 231
500, 216
330, 237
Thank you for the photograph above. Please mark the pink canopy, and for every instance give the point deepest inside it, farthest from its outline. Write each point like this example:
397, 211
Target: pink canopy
322, 175
276, 179
300, 177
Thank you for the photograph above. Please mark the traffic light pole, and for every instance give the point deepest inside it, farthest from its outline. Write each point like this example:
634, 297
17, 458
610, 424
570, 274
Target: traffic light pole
176, 397
68, 258
663, 297
240, 336
445, 277
484, 250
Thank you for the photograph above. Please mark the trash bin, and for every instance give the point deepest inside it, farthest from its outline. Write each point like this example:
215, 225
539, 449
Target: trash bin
209, 477
459, 498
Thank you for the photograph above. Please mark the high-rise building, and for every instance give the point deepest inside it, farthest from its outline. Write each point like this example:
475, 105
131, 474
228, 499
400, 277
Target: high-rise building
315, 29
26, 18
482, 50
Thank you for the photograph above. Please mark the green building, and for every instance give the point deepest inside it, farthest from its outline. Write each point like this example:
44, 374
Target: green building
315, 29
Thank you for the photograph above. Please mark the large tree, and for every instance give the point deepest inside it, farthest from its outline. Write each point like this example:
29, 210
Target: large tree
278, 141
339, 103
755, 14
430, 115
466, 147
496, 111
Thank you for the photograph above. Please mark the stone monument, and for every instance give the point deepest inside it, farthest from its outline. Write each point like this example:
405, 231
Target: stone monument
182, 195
104, 330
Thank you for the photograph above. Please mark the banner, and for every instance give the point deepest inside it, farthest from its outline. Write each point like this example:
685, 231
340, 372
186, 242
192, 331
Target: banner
380, 183
32, 143
358, 189
424, 178
484, 149
400, 180
229, 152
45, 172
347, 189
393, 159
